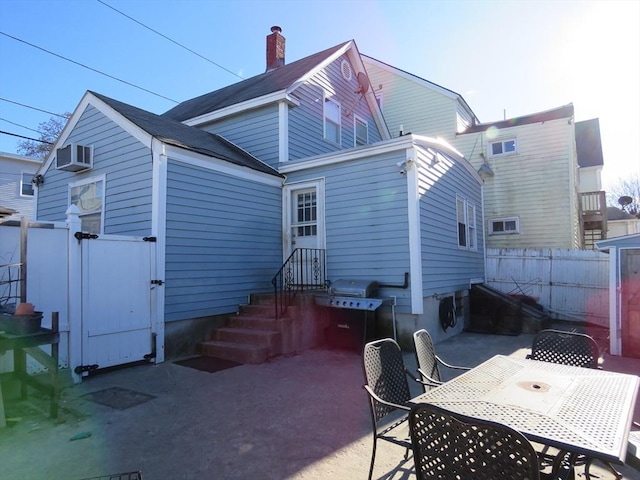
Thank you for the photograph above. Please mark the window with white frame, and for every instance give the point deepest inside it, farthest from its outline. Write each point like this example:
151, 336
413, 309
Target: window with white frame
466, 216
360, 131
88, 196
503, 147
504, 226
26, 184
332, 120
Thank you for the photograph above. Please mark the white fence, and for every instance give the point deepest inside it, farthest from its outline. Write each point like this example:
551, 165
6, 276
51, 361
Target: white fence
572, 284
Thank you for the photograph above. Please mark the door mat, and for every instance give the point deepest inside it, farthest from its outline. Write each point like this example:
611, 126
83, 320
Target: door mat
207, 364
119, 398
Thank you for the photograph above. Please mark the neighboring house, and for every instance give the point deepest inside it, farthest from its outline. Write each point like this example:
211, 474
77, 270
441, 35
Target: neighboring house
16, 187
621, 223
227, 185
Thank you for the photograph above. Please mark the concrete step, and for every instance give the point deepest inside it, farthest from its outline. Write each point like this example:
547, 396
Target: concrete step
262, 310
237, 352
269, 338
253, 321
262, 299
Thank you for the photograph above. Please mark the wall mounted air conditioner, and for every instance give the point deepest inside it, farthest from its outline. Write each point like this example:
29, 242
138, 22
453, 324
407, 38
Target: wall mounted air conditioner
74, 158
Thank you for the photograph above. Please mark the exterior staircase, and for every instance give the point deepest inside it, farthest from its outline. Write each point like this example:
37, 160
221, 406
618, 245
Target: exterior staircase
254, 335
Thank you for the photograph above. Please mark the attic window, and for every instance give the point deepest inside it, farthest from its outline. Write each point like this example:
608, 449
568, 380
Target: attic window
503, 147
332, 120
345, 68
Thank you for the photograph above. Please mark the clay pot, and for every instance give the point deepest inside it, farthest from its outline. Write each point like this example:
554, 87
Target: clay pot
24, 309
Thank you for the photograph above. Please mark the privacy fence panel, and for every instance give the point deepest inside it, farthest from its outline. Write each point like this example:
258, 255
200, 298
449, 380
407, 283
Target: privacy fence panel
572, 284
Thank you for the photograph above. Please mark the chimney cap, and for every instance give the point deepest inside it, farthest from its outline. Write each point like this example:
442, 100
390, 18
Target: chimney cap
275, 29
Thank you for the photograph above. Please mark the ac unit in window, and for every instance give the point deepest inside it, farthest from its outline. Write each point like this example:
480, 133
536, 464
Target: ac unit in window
74, 158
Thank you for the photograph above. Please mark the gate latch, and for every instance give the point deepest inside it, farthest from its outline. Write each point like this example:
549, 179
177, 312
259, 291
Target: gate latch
85, 368
82, 235
157, 282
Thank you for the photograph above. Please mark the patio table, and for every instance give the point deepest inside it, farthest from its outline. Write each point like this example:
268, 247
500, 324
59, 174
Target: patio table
579, 410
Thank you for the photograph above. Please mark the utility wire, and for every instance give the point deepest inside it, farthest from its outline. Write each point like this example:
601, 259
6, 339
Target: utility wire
18, 125
170, 39
88, 68
22, 136
32, 108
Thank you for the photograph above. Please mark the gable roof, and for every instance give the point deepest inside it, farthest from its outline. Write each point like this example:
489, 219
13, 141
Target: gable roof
426, 83
260, 85
566, 111
183, 136
589, 144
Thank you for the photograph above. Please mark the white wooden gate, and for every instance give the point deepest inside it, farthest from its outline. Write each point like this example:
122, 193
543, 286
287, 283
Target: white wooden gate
116, 300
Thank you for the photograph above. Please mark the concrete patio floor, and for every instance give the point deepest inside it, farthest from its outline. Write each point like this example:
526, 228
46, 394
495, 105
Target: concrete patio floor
302, 417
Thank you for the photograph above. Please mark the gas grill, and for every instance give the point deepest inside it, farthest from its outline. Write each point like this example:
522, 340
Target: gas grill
354, 295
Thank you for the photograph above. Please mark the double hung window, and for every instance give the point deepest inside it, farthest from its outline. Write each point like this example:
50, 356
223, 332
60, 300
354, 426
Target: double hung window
332, 120
466, 215
88, 196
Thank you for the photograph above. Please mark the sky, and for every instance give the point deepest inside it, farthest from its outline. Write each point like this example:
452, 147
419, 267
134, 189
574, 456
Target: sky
506, 58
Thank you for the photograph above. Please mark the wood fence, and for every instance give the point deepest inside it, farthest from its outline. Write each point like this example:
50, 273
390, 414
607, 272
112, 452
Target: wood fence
571, 284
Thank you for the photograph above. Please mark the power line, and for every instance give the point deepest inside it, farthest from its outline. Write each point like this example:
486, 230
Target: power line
170, 39
88, 68
32, 108
18, 125
22, 136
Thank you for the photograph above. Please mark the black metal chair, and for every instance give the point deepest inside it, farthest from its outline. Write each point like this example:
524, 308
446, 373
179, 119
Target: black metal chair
569, 348
427, 360
566, 348
388, 389
447, 445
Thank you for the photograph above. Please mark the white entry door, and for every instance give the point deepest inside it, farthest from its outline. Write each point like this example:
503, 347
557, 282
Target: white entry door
116, 300
305, 230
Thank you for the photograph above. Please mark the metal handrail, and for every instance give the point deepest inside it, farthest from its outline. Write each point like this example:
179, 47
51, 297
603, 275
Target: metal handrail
305, 269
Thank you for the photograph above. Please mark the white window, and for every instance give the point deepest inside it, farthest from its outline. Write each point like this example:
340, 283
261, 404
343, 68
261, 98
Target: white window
26, 184
88, 196
360, 131
503, 147
504, 226
466, 215
332, 120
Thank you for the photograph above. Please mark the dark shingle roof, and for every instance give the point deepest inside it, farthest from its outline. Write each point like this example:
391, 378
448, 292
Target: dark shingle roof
254, 87
565, 111
184, 136
589, 144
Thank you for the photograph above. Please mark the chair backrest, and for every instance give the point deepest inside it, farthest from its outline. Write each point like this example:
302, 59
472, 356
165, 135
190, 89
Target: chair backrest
426, 354
449, 445
385, 374
566, 348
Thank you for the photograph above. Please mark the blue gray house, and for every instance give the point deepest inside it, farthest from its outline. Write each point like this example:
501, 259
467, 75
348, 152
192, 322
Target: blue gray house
229, 185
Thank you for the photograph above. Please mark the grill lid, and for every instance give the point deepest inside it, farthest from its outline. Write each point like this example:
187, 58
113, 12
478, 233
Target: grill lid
353, 288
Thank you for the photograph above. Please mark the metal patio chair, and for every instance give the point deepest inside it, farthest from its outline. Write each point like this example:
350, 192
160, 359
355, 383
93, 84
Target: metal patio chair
427, 360
566, 348
448, 445
388, 389
569, 348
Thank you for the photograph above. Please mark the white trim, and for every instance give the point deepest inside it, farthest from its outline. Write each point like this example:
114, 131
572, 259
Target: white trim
283, 132
252, 104
615, 341
222, 166
21, 158
415, 239
159, 230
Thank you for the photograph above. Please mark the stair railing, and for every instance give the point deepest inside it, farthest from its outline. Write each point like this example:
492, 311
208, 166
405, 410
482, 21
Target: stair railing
305, 269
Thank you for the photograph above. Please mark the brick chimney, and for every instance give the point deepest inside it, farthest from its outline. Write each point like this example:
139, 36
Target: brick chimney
275, 49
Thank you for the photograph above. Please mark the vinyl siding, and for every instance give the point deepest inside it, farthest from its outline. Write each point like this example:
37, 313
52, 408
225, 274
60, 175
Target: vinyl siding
366, 218
256, 131
419, 109
306, 121
538, 184
445, 266
127, 165
11, 170
223, 241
